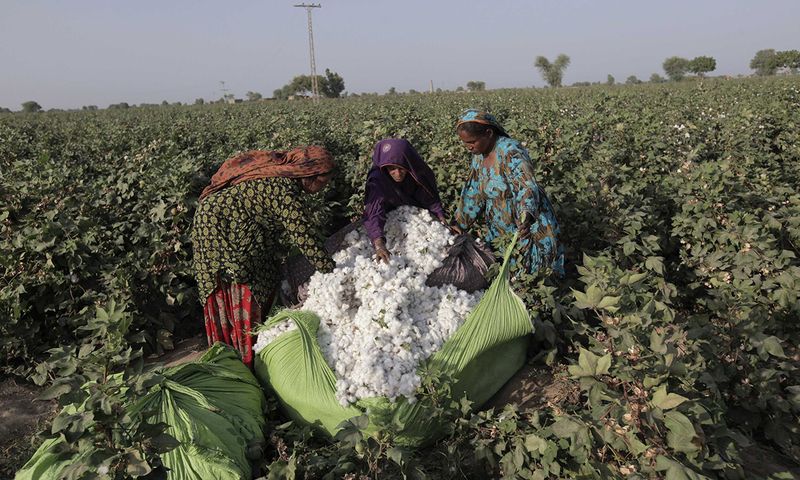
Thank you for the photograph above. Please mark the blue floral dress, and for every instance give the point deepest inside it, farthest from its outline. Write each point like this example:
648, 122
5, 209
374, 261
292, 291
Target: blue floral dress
503, 193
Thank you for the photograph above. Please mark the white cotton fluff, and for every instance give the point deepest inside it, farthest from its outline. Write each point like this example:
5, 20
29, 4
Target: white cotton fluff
378, 320
269, 334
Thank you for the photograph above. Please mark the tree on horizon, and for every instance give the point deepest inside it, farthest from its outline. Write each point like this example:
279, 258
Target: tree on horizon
552, 73
675, 68
761, 63
31, 107
789, 59
330, 86
702, 65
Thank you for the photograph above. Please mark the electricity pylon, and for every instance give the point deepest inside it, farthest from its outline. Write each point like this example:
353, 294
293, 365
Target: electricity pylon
314, 83
224, 92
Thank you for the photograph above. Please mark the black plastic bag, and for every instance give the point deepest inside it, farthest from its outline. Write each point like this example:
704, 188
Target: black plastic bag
465, 266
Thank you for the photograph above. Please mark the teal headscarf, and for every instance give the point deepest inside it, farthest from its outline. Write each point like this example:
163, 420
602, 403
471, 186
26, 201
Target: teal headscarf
479, 116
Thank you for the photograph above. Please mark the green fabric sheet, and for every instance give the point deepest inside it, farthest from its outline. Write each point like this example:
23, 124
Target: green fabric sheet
214, 406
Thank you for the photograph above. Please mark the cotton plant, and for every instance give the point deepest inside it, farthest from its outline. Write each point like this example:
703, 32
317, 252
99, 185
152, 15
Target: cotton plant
378, 321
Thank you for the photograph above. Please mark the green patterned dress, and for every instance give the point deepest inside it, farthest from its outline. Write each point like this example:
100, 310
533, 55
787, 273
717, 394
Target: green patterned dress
236, 233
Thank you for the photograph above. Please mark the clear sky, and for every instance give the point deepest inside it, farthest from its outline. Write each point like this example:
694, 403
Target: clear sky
70, 53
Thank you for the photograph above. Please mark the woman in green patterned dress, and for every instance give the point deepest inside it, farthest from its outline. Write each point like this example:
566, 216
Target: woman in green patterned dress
252, 200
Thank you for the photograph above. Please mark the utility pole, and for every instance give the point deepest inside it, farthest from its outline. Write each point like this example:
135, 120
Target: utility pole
314, 83
224, 91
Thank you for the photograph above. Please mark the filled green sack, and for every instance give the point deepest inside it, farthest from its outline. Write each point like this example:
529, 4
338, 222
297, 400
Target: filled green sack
214, 407
486, 351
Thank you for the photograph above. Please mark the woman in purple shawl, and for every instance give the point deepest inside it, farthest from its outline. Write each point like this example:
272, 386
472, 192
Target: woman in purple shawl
399, 176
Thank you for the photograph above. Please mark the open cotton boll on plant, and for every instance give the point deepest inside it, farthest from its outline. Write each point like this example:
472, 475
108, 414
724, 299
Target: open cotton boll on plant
379, 320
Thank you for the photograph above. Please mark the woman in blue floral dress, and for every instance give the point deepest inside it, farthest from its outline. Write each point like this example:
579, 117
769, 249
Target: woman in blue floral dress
502, 186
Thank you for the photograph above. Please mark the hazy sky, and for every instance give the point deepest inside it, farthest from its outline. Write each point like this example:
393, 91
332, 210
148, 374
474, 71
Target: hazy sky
70, 53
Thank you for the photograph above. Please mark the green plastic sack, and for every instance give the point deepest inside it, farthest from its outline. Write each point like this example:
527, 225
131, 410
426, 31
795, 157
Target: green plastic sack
486, 351
214, 406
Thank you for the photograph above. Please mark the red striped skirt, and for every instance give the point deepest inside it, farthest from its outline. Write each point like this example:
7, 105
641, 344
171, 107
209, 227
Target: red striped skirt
231, 312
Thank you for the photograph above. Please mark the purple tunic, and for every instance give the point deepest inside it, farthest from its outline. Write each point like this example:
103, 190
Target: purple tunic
383, 194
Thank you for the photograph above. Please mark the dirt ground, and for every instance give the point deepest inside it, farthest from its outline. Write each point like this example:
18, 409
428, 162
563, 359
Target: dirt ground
536, 387
532, 387
20, 418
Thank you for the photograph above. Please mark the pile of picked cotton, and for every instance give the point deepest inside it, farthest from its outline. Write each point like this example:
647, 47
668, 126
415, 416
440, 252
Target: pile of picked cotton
378, 321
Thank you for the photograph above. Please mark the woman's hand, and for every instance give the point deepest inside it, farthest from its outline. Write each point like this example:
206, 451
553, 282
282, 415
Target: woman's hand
452, 228
381, 252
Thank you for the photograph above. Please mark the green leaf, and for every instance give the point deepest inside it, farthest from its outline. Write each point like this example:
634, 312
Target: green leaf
773, 346
676, 471
535, 443
656, 341
603, 365
85, 350
679, 424
565, 427
588, 361
361, 422
608, 303
397, 455
164, 443
137, 465
75, 471
665, 401
577, 371
55, 391
61, 422
629, 248
672, 400
519, 457
637, 277
77, 427
350, 433
655, 264
283, 470
590, 299
631, 278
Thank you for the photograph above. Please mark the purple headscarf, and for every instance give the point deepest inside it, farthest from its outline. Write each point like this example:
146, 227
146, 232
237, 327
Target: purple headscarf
383, 194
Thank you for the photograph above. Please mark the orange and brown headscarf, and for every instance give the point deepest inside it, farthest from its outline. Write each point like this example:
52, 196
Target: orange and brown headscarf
297, 163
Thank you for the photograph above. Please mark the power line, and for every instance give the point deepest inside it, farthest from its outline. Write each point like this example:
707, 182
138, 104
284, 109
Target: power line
314, 83
285, 36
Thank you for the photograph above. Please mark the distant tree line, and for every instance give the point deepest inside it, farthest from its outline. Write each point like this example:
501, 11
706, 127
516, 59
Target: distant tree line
765, 63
